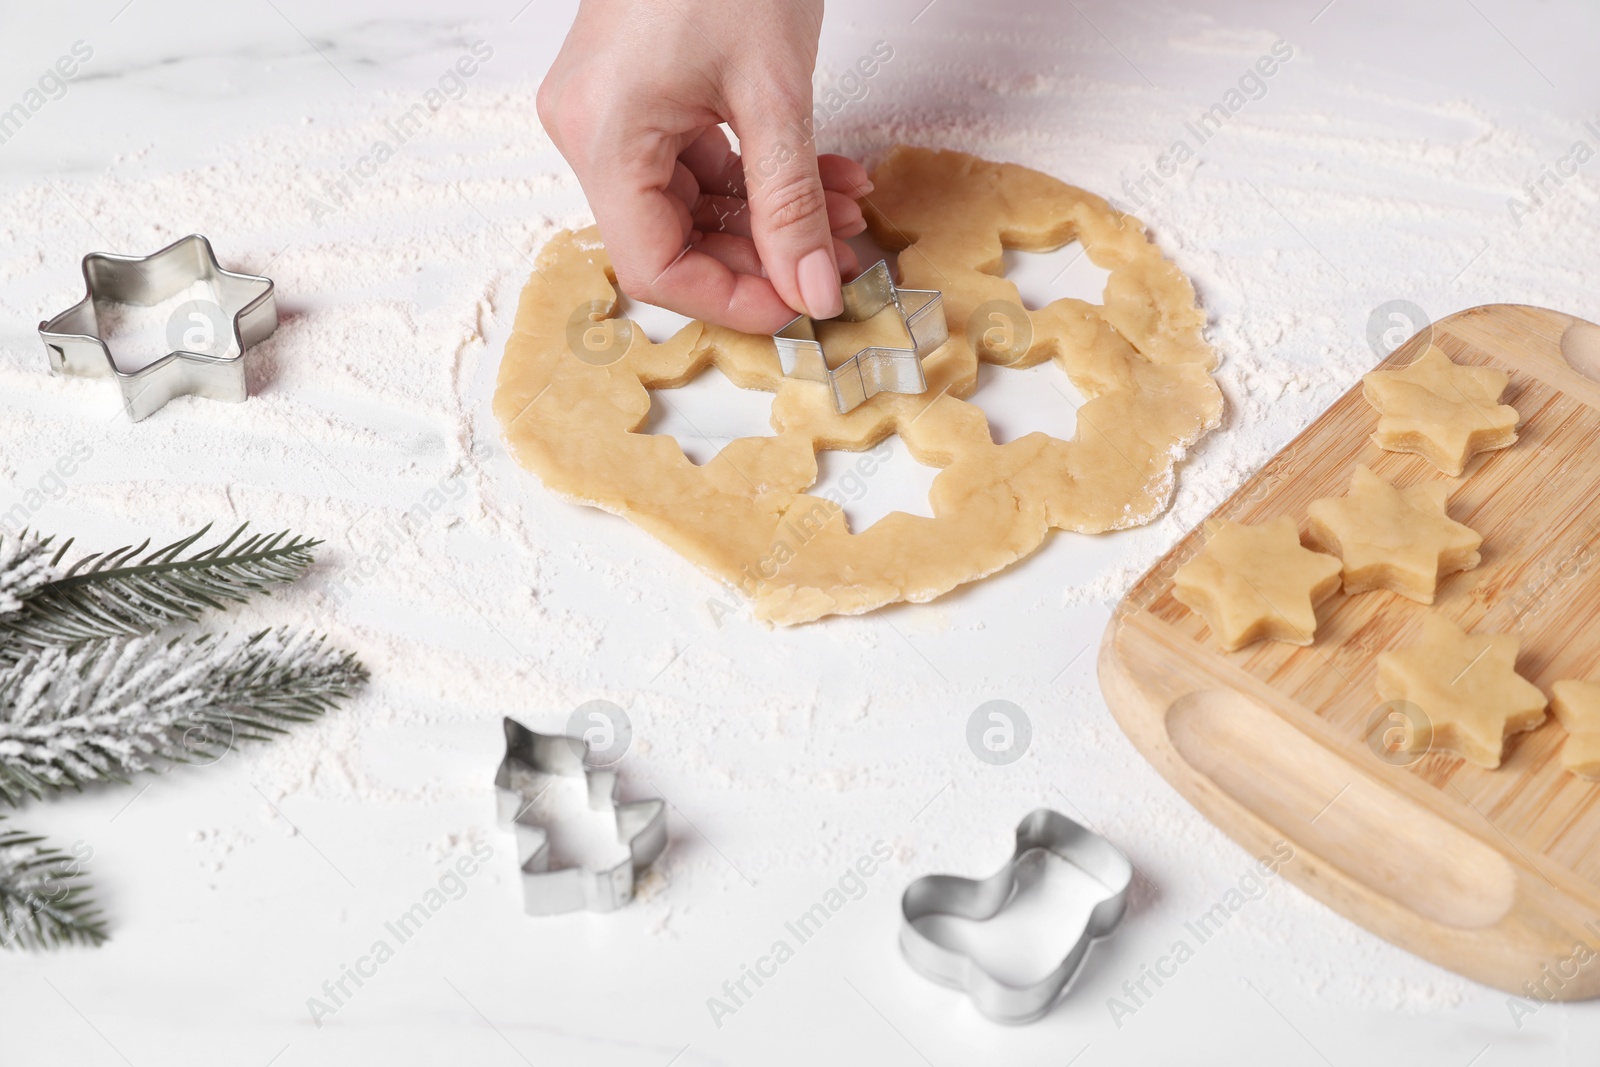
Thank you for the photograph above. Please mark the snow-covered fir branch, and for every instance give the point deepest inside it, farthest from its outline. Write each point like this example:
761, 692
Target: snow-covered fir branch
43, 894
106, 708
130, 591
25, 569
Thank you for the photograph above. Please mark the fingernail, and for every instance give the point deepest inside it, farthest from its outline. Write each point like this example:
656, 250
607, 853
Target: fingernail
819, 285
865, 187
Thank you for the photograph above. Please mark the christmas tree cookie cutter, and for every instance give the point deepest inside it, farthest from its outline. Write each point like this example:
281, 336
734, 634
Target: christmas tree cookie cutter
981, 899
877, 368
641, 825
244, 304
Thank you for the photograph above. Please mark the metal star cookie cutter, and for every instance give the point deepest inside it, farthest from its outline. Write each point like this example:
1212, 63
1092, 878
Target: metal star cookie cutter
72, 339
984, 899
876, 369
641, 825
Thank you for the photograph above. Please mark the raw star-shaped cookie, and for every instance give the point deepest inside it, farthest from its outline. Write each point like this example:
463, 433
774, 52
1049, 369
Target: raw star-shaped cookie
1255, 582
1396, 539
1577, 705
1442, 412
1467, 687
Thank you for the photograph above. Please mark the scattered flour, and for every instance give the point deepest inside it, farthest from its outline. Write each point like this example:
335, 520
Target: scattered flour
470, 593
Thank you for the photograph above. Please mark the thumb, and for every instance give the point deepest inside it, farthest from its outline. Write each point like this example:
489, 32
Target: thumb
788, 208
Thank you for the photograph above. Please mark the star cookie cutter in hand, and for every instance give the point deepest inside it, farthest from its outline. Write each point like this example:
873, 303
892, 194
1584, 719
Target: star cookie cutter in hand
876, 368
943, 894
72, 339
641, 825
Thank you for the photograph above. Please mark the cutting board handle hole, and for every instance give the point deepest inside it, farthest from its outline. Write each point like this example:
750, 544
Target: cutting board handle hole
1325, 806
1580, 347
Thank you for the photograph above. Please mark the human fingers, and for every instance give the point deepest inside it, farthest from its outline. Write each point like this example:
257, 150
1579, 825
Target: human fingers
788, 207
844, 214
727, 214
843, 174
714, 163
739, 255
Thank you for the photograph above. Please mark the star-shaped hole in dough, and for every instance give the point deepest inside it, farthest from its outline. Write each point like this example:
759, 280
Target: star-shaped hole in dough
1577, 705
1396, 539
1466, 686
1257, 582
1443, 412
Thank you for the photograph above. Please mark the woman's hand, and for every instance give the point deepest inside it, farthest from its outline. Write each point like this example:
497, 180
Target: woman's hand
634, 101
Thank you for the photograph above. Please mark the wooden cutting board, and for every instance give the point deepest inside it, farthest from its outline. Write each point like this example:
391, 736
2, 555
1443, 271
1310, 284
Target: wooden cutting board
1494, 874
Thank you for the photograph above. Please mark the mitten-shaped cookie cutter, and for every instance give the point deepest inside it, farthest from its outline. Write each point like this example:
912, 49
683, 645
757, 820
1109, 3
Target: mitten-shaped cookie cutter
73, 342
877, 369
641, 825
943, 894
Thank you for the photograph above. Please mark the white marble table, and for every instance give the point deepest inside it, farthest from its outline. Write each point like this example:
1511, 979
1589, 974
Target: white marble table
238, 893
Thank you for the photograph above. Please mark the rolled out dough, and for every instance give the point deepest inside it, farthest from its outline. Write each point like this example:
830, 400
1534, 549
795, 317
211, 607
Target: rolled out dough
745, 516
840, 339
